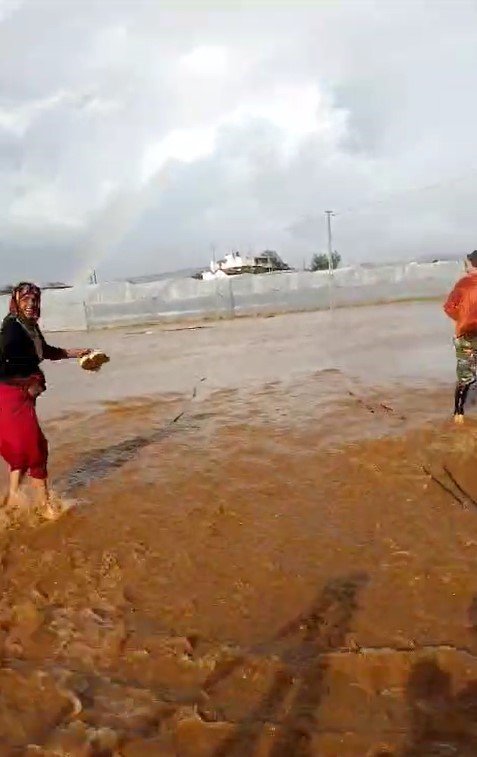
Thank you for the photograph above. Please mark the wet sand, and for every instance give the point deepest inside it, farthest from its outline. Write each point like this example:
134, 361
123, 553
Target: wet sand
282, 565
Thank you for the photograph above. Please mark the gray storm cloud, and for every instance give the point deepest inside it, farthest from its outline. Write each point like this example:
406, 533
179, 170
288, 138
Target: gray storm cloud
261, 118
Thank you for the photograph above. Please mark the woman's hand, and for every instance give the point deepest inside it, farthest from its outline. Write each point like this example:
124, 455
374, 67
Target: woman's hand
34, 390
78, 353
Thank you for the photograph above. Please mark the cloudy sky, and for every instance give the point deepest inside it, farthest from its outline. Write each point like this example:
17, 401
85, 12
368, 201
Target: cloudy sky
136, 134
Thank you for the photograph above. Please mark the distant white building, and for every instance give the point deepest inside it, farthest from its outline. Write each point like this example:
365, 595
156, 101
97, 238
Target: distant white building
234, 263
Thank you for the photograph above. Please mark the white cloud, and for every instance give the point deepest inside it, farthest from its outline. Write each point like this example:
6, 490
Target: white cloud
207, 61
7, 7
42, 207
263, 116
185, 145
18, 118
297, 112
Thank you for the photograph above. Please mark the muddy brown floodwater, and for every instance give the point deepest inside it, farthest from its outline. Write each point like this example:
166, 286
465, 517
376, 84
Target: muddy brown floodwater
288, 570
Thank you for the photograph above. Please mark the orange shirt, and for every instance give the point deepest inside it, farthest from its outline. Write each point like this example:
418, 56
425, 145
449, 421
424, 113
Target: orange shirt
461, 304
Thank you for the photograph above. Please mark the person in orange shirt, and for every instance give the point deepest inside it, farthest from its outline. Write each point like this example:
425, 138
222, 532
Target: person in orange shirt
461, 306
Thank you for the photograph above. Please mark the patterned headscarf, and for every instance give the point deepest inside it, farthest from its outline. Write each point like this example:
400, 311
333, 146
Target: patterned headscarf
25, 289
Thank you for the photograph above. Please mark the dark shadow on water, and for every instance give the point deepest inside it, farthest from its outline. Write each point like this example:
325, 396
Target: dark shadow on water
441, 723
310, 638
101, 462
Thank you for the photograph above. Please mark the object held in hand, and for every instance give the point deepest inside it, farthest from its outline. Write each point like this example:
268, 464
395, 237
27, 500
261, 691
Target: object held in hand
93, 360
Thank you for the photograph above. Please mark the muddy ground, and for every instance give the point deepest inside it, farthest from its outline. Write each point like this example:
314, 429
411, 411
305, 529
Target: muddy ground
284, 568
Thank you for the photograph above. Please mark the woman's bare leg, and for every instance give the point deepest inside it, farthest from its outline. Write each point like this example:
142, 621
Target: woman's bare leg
15, 482
16, 477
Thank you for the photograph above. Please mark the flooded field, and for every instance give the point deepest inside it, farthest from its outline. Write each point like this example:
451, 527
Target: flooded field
277, 560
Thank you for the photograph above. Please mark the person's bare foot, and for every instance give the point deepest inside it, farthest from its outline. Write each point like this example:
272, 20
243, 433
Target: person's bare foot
4, 512
44, 505
458, 419
49, 512
54, 506
14, 508
16, 501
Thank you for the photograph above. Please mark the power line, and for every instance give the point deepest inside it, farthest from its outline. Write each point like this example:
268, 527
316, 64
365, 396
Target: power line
409, 190
295, 227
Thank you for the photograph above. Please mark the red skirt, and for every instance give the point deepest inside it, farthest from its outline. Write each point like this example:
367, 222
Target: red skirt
23, 445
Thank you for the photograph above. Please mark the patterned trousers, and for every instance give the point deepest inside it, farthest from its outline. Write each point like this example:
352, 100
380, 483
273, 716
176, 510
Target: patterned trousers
466, 355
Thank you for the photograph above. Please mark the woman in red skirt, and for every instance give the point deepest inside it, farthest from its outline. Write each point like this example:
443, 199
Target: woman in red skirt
22, 348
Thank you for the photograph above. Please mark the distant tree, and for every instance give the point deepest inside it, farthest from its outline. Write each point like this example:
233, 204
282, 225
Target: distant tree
319, 262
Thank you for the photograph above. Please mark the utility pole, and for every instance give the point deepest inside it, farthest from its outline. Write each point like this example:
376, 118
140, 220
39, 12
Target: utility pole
328, 214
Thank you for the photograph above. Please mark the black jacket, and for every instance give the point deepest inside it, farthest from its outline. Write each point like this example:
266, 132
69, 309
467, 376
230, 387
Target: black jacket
18, 355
